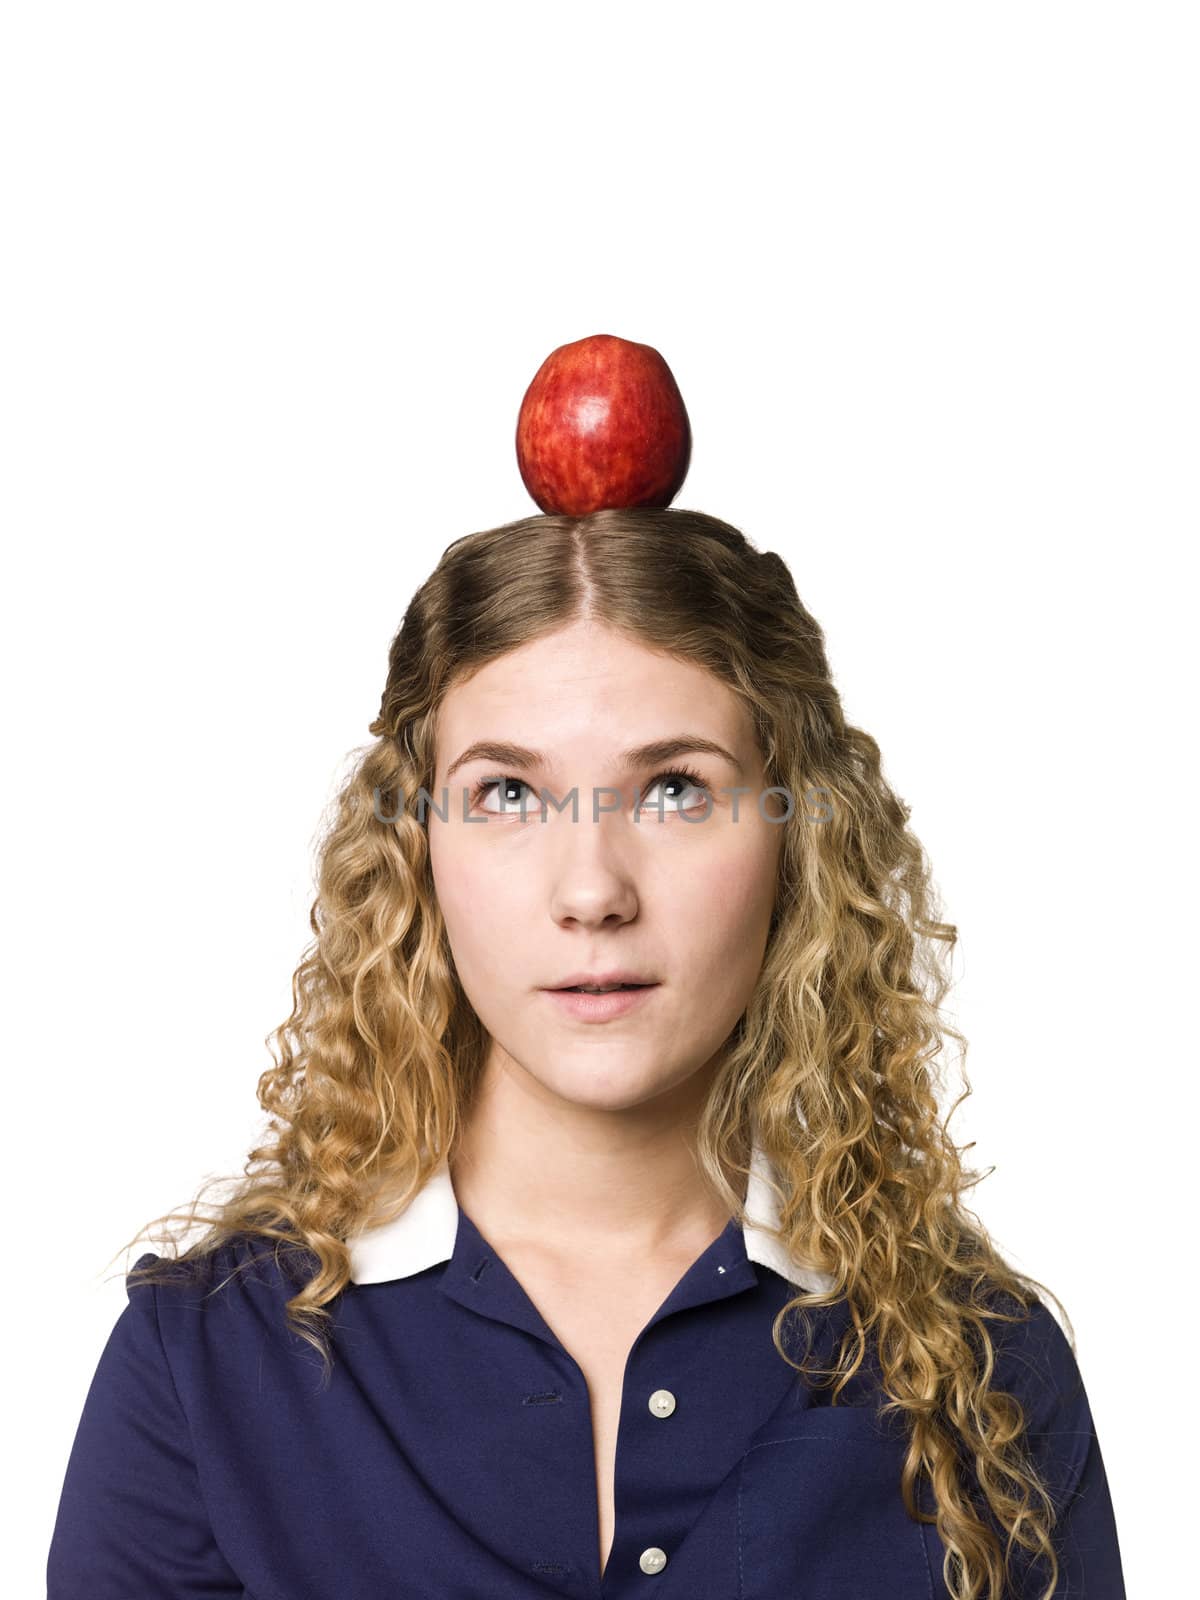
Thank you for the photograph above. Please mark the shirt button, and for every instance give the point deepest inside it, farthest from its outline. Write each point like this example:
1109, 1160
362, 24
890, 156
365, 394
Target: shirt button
652, 1560
662, 1403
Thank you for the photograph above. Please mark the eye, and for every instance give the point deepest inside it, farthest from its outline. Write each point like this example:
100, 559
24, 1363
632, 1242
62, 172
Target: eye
677, 777
509, 800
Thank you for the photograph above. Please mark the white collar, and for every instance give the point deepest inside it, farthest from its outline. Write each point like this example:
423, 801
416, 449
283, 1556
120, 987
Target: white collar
423, 1234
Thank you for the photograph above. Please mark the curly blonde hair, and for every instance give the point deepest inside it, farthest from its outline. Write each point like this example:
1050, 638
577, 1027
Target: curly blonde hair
834, 1063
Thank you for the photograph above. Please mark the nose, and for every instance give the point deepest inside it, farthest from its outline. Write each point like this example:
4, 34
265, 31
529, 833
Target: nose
592, 876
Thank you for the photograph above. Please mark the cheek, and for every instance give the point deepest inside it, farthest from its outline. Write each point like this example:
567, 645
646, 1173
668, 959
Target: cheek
447, 870
727, 895
480, 902
744, 873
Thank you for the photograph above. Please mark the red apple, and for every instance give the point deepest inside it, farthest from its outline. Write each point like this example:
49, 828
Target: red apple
603, 425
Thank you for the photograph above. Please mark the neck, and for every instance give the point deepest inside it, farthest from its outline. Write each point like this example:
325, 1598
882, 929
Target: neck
583, 1182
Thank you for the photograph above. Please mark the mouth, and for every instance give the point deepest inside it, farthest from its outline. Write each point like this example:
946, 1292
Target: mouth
598, 979
597, 988
586, 1003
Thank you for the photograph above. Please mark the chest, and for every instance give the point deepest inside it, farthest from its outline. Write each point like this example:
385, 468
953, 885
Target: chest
483, 1462
597, 1321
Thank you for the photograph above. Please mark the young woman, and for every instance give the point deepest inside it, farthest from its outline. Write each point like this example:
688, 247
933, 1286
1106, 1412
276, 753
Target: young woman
667, 1291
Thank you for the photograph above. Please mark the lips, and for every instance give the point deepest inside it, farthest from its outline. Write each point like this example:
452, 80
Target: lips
580, 1006
608, 988
619, 979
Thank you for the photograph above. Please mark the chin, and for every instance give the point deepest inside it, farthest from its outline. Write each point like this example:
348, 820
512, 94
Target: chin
583, 1078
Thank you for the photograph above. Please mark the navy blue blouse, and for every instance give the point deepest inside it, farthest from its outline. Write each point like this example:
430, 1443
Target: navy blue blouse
451, 1456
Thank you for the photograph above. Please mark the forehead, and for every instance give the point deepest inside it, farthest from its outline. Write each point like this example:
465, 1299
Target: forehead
589, 686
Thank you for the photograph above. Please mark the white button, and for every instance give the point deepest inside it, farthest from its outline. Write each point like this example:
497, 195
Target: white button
652, 1560
662, 1402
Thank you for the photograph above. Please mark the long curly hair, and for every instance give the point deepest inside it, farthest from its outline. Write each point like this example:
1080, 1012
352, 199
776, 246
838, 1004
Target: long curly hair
837, 1063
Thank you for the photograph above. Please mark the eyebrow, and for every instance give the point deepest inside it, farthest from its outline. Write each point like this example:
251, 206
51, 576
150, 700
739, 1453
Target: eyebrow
517, 758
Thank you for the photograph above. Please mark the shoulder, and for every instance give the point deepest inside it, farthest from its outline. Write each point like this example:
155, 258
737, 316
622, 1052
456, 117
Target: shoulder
1036, 1365
247, 1275
1035, 1362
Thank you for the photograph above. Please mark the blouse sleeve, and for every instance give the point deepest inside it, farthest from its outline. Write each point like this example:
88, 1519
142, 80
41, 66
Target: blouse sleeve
1037, 1365
131, 1521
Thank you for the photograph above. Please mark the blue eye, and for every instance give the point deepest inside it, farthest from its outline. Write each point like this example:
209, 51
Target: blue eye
681, 775
511, 802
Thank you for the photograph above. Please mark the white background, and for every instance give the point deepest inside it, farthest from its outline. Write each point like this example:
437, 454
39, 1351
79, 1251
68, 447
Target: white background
277, 278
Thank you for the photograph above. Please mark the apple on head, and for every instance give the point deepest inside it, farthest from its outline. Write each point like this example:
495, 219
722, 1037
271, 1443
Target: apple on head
603, 425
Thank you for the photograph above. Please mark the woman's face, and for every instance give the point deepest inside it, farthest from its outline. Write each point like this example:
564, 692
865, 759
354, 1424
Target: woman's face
530, 903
